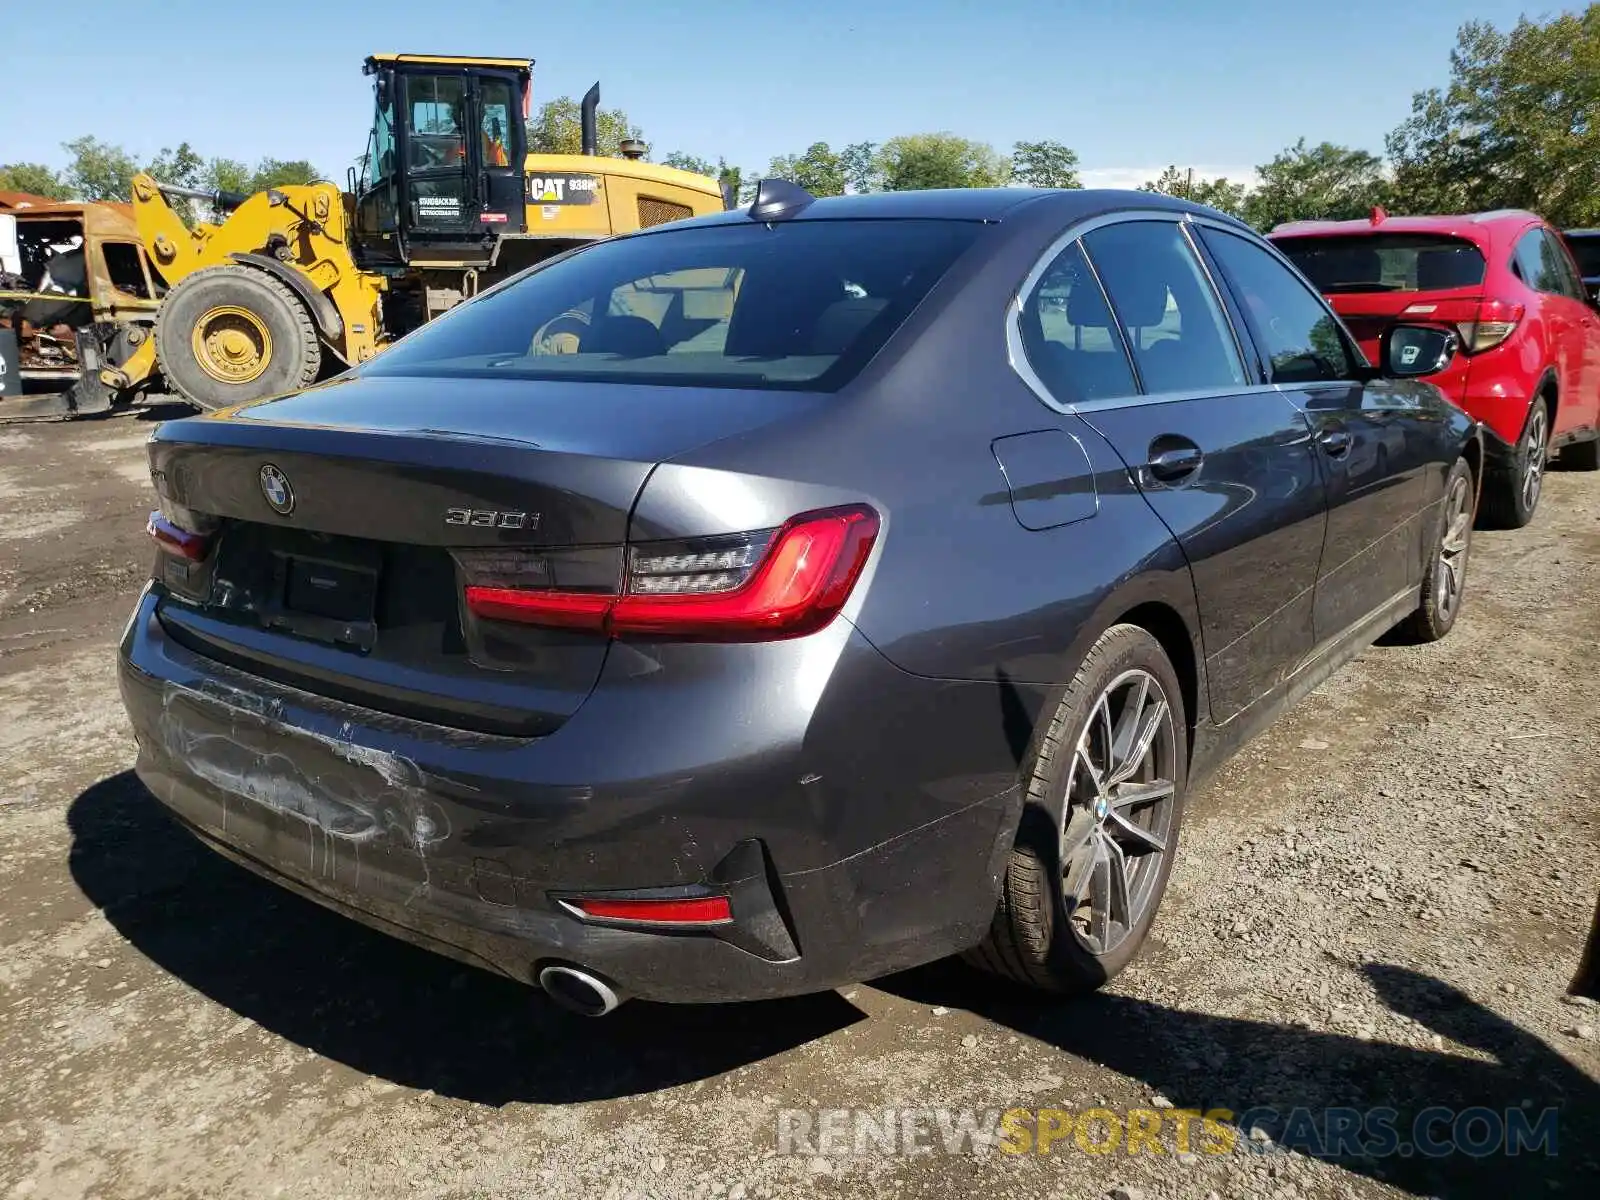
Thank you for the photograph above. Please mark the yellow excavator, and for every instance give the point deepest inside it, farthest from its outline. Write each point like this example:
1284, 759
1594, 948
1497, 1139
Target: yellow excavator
299, 282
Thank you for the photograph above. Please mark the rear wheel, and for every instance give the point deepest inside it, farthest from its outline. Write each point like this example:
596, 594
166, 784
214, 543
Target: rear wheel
1444, 582
1512, 488
230, 334
1105, 799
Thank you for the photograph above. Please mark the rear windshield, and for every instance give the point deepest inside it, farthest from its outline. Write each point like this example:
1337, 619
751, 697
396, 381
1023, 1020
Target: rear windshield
1385, 262
797, 304
1586, 249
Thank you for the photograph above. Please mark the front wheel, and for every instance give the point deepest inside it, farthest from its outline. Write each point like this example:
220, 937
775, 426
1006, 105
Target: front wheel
227, 335
1105, 799
1511, 489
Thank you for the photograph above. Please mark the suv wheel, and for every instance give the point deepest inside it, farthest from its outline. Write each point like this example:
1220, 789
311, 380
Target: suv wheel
1511, 490
1105, 798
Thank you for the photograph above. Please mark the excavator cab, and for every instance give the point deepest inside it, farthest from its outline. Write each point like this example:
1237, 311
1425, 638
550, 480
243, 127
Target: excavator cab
442, 177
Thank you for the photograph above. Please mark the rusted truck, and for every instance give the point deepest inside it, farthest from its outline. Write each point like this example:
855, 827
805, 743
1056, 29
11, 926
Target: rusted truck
78, 292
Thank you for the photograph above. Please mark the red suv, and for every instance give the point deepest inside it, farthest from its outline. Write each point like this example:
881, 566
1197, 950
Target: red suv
1528, 361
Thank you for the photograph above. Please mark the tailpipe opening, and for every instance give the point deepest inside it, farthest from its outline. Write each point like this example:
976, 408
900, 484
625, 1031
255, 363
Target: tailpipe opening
578, 991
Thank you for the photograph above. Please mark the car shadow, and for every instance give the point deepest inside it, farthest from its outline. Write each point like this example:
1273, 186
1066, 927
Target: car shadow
1262, 1071
380, 1005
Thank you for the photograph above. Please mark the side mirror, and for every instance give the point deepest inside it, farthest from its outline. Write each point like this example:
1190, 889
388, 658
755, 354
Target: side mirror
1411, 351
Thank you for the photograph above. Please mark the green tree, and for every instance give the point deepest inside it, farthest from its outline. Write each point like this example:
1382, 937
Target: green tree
939, 160
1045, 165
276, 172
689, 162
819, 170
35, 179
1220, 193
99, 170
1518, 125
1325, 181
557, 128
861, 169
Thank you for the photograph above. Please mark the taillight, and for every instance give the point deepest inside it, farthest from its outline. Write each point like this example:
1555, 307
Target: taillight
175, 539
1494, 322
747, 587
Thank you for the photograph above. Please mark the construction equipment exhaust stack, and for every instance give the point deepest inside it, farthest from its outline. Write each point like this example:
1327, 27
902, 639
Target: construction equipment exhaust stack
591, 130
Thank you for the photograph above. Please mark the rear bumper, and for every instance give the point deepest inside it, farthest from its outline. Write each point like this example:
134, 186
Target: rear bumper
850, 848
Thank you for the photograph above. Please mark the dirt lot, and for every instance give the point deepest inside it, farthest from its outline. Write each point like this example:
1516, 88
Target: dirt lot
1378, 904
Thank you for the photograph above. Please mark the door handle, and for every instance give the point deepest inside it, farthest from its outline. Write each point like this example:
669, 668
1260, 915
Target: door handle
1177, 463
1335, 443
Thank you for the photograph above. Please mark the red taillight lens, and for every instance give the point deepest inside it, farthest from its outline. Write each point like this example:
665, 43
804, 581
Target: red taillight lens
746, 588
696, 910
177, 540
1494, 322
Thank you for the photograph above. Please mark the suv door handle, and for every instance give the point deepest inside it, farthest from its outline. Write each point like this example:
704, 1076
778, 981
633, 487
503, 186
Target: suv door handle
1335, 443
1171, 465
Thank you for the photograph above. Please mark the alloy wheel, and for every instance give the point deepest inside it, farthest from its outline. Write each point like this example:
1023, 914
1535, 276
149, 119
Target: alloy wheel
1119, 816
1535, 449
1452, 573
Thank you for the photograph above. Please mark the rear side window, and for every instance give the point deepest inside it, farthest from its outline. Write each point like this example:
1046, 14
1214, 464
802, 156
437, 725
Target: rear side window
1385, 262
1070, 336
795, 305
1164, 303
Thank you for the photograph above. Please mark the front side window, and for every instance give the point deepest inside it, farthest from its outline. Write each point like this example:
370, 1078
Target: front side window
438, 121
1165, 306
380, 146
1294, 329
1070, 337
1558, 266
796, 305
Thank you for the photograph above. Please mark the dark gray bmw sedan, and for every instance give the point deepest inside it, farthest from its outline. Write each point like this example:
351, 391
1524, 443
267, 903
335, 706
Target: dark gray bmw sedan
769, 601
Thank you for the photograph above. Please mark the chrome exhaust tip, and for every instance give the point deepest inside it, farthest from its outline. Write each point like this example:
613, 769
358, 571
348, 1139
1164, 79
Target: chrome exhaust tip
578, 991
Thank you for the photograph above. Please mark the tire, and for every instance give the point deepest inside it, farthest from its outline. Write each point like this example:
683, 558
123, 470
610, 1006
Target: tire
1444, 581
1511, 490
226, 335
1582, 456
1034, 940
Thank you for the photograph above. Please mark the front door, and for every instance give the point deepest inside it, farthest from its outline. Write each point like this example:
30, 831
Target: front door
1367, 440
441, 188
1224, 460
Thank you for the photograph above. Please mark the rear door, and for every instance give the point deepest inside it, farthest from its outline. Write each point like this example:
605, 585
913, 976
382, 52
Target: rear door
1224, 460
1581, 397
1371, 445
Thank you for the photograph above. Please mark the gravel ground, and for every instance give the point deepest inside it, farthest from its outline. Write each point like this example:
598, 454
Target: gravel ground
1378, 905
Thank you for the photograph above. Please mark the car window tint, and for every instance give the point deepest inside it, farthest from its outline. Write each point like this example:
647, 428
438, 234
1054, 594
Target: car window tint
1559, 267
1165, 306
1300, 338
792, 305
1532, 264
1586, 249
1384, 262
1070, 336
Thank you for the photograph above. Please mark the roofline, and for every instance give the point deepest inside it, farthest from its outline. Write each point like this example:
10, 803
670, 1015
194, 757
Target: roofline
452, 60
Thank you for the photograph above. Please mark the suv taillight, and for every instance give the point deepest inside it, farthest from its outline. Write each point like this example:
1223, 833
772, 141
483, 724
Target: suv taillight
1494, 322
743, 587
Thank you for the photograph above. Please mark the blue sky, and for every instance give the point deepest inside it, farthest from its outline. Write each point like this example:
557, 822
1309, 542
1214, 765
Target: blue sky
1130, 84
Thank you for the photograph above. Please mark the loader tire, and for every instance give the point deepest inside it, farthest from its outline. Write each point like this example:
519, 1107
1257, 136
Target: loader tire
227, 335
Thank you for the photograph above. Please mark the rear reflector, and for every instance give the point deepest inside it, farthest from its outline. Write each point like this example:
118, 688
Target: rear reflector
697, 910
176, 540
748, 587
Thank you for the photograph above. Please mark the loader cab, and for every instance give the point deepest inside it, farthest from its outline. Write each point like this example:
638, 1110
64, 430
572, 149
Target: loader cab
442, 177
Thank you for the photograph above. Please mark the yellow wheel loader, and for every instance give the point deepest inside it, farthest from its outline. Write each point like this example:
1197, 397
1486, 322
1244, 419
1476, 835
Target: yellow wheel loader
299, 282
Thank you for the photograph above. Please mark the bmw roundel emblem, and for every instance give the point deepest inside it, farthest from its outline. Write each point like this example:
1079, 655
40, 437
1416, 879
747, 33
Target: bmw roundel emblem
275, 487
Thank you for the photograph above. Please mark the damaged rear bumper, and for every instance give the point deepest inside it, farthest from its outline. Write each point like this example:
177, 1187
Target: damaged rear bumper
451, 840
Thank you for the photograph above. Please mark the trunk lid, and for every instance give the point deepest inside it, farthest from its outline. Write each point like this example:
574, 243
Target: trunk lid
345, 522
